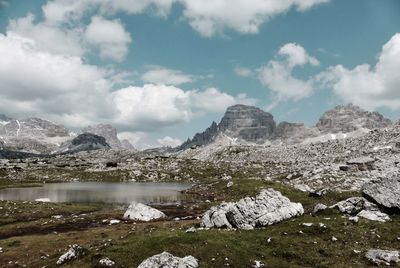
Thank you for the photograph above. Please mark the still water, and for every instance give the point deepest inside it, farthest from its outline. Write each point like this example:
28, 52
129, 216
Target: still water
100, 192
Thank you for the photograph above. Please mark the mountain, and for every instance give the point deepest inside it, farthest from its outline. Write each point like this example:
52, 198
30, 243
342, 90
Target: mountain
110, 134
240, 121
32, 134
348, 118
84, 142
253, 125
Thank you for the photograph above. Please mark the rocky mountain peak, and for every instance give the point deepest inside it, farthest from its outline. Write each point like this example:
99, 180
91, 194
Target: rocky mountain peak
110, 134
240, 121
248, 123
85, 142
348, 118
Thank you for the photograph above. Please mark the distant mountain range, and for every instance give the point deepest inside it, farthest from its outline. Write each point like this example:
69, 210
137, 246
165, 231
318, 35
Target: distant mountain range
40, 136
241, 123
250, 124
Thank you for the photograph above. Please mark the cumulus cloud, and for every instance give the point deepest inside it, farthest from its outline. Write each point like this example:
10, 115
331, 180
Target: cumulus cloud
109, 36
49, 37
67, 90
168, 141
278, 76
369, 86
212, 17
162, 75
152, 106
63, 31
40, 82
209, 17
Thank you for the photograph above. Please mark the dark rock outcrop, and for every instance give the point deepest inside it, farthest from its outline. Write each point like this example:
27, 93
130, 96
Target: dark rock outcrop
85, 142
110, 134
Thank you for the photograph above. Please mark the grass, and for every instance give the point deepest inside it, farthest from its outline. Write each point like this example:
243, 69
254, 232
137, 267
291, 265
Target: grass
291, 244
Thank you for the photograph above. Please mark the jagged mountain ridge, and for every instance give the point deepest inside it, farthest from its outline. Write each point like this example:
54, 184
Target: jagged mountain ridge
251, 124
40, 136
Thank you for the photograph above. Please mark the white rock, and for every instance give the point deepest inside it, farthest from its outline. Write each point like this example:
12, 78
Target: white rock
307, 224
112, 222
386, 257
106, 262
140, 212
191, 230
266, 208
73, 252
374, 215
258, 264
166, 259
230, 184
319, 207
45, 199
354, 219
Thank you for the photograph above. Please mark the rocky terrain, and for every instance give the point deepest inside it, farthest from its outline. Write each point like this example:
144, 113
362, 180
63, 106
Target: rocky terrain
250, 125
264, 194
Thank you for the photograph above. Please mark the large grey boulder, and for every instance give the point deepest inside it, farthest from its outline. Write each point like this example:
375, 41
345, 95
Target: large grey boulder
361, 207
266, 208
385, 192
168, 260
141, 212
386, 257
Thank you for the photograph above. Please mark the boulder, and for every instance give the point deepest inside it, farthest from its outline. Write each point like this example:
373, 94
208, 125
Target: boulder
352, 205
73, 252
106, 262
385, 192
319, 207
140, 212
166, 259
361, 207
374, 215
266, 208
362, 163
386, 257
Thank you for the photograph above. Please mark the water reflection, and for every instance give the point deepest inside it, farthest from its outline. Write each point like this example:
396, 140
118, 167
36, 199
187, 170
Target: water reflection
99, 192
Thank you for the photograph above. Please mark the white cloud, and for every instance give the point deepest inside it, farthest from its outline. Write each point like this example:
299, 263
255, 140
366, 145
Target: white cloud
369, 86
58, 87
135, 138
64, 32
208, 17
109, 36
162, 75
214, 100
211, 17
67, 90
153, 106
49, 37
243, 72
278, 76
168, 141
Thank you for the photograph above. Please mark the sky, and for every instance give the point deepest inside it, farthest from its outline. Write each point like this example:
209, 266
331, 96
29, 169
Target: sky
161, 70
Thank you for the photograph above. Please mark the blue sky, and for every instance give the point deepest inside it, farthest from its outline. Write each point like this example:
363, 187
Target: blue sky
182, 61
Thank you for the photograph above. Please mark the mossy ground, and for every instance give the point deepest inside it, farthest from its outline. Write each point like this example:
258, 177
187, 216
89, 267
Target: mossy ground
292, 244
